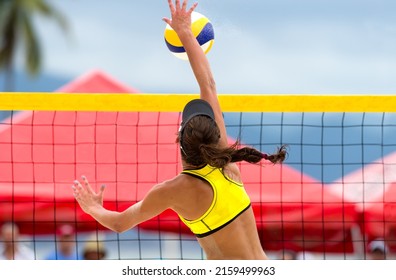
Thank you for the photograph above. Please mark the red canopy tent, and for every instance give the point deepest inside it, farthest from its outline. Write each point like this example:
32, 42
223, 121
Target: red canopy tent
373, 190
130, 152
296, 212
39, 159
379, 217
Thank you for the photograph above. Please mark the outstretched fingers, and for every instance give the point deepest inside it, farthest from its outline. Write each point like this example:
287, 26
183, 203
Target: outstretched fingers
167, 20
193, 8
102, 188
177, 4
184, 5
178, 9
171, 6
87, 185
77, 188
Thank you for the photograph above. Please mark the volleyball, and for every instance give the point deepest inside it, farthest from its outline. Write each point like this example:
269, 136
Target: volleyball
202, 29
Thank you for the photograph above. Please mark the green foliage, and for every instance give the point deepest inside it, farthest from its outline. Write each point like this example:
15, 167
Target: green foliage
17, 30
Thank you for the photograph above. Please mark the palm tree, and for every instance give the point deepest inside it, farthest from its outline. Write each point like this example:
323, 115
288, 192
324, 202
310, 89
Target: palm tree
17, 32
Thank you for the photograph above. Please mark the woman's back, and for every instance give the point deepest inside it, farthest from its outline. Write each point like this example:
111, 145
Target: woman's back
237, 239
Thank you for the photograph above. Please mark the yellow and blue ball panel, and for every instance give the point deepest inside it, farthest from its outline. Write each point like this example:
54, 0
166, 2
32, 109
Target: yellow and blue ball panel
202, 29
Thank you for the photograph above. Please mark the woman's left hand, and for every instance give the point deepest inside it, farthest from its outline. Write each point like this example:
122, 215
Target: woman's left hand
86, 197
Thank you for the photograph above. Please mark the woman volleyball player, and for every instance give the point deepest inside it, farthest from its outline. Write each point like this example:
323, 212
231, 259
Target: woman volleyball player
208, 195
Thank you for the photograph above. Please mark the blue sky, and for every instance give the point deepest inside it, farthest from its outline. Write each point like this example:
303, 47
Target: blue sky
261, 46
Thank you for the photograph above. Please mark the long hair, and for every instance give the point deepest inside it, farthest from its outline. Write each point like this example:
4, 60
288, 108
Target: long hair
199, 145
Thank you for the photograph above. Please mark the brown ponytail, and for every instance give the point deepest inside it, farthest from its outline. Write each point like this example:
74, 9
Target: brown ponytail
199, 145
221, 157
279, 156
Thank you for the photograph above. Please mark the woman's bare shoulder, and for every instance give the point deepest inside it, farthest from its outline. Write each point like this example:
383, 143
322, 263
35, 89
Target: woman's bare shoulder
232, 171
174, 184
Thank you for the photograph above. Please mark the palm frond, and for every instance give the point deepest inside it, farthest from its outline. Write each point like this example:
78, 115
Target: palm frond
17, 31
32, 46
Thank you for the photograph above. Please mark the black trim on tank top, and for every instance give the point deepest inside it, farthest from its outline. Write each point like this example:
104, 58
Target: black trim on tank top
220, 227
196, 176
196, 168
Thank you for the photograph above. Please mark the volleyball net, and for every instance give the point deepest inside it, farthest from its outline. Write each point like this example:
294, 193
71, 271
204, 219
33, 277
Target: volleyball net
333, 195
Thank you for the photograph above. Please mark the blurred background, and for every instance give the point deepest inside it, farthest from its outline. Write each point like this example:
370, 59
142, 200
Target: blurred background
261, 47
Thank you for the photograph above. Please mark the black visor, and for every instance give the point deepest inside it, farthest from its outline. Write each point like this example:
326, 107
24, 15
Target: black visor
194, 108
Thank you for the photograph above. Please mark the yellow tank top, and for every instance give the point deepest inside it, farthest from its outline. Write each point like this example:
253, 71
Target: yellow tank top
229, 201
